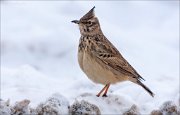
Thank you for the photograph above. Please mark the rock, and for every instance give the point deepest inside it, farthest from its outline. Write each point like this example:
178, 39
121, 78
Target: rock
169, 108
55, 105
156, 112
33, 111
83, 108
178, 112
132, 111
4, 107
21, 107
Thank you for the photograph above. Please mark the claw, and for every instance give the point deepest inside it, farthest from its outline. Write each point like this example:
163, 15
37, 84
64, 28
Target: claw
104, 95
97, 95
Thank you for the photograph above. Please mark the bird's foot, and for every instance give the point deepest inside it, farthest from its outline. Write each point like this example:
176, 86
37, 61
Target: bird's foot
97, 95
104, 95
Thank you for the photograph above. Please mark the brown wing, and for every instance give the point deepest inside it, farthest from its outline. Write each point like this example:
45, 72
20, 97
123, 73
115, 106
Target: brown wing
109, 55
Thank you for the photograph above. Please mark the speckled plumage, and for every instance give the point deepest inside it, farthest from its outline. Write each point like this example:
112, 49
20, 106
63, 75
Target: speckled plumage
99, 59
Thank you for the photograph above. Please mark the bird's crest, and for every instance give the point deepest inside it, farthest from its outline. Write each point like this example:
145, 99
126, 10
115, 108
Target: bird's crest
89, 15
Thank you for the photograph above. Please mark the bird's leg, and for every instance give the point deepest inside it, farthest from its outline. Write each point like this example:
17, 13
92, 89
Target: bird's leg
104, 95
101, 91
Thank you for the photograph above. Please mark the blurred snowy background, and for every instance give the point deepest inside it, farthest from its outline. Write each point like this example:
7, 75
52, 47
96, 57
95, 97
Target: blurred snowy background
39, 49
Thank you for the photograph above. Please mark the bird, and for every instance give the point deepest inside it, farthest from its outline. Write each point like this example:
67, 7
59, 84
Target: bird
99, 59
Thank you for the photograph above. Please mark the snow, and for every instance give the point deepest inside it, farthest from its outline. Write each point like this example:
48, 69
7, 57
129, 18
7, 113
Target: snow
39, 51
112, 104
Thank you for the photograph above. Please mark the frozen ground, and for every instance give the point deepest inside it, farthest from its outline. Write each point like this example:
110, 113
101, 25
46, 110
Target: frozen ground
39, 50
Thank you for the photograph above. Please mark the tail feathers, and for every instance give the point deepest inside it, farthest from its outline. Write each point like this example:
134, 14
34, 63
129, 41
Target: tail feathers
146, 88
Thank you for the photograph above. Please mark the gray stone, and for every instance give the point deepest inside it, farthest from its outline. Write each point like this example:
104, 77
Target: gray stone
21, 107
4, 107
55, 105
132, 111
83, 108
169, 108
156, 112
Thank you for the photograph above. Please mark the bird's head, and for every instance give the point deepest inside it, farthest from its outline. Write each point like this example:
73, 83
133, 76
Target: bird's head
89, 23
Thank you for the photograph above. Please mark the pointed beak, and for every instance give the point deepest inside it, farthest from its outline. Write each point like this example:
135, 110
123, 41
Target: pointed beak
75, 21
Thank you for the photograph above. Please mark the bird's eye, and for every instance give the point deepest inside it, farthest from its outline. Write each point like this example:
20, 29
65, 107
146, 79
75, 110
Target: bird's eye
89, 22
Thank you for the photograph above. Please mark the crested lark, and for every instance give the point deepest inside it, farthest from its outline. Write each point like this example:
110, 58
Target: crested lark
99, 59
